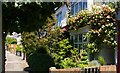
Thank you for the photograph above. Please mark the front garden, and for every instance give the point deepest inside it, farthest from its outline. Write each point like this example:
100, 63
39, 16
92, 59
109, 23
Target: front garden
51, 47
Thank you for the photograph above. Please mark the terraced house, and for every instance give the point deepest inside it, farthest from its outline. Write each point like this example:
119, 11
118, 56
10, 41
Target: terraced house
78, 36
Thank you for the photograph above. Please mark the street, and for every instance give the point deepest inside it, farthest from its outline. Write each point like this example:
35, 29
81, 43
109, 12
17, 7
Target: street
14, 63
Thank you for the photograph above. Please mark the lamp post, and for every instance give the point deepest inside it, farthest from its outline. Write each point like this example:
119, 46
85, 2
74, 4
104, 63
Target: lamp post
118, 22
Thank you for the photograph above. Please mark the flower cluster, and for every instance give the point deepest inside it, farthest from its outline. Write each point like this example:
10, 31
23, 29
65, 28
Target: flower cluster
106, 8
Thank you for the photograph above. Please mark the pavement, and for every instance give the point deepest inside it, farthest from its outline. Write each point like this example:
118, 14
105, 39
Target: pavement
14, 63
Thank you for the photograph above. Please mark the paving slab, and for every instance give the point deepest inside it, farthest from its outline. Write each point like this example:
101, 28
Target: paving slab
14, 63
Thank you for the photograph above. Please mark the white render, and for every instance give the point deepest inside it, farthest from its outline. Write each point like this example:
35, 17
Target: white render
89, 4
64, 11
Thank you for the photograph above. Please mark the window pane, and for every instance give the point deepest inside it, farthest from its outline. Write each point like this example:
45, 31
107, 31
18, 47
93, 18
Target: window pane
84, 5
72, 2
80, 38
80, 6
76, 8
72, 9
76, 38
84, 46
84, 38
75, 45
80, 46
59, 16
71, 38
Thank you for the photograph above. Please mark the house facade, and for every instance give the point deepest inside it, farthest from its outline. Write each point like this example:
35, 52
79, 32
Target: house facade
78, 36
61, 15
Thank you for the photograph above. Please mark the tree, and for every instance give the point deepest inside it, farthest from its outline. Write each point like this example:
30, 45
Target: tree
10, 40
24, 16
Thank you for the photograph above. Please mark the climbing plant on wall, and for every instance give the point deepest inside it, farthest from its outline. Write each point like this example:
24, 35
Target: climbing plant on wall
103, 26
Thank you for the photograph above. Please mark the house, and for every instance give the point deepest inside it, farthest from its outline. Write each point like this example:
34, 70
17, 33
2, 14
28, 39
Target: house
61, 15
78, 36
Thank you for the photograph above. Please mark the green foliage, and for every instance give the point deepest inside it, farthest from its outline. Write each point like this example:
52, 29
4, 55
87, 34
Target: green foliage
61, 51
30, 42
66, 57
93, 63
101, 60
67, 63
28, 16
20, 48
53, 43
102, 22
38, 54
43, 50
10, 40
91, 48
83, 61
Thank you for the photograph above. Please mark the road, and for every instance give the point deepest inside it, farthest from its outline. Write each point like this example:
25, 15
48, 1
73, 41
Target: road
14, 63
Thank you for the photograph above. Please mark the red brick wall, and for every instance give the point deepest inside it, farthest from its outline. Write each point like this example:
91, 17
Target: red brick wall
108, 68
102, 69
70, 70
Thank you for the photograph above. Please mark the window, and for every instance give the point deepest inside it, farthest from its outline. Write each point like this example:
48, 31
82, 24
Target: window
72, 10
59, 17
79, 40
84, 5
77, 6
80, 6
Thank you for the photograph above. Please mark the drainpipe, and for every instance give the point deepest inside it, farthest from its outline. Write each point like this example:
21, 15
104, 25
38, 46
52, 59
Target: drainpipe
118, 54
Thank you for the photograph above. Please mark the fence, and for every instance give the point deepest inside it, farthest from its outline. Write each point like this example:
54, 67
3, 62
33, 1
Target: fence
101, 69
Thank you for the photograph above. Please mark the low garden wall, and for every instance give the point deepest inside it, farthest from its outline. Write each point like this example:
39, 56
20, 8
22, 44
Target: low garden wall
70, 70
108, 69
101, 69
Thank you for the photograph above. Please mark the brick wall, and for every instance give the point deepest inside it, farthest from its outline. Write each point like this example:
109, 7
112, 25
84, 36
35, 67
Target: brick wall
69, 70
102, 69
108, 69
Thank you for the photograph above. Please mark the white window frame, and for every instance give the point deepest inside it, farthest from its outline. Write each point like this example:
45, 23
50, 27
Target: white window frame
78, 32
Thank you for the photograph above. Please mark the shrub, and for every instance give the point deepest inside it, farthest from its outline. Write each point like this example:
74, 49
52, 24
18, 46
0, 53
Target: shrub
30, 42
101, 60
40, 62
42, 49
83, 59
67, 57
19, 48
94, 63
10, 40
67, 63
